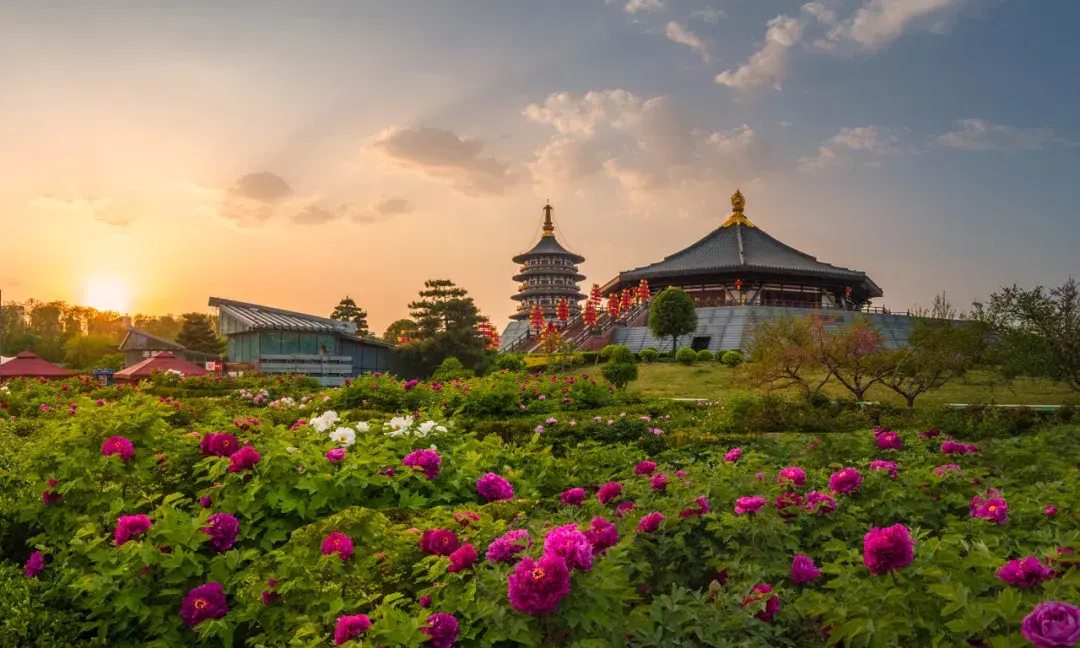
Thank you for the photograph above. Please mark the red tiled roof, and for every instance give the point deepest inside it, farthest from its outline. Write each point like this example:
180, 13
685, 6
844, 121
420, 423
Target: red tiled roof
28, 365
163, 361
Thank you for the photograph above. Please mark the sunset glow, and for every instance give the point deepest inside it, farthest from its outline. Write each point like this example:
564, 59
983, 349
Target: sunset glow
107, 294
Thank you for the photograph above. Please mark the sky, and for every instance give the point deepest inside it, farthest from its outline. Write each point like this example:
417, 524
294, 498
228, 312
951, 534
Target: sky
154, 154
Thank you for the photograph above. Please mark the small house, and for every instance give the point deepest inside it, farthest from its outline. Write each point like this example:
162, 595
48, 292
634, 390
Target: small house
138, 345
164, 361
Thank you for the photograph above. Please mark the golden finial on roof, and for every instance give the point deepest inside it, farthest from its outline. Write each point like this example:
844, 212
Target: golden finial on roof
738, 205
549, 227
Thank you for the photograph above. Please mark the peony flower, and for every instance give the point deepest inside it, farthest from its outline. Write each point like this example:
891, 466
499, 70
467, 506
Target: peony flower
35, 564
792, 475
344, 435
439, 542
701, 509
443, 630
889, 466
623, 508
845, 481
571, 545
350, 626
1027, 572
120, 446
650, 523
733, 455
244, 459
943, 470
745, 505
218, 445
427, 461
1052, 624
772, 603
325, 421
573, 496
890, 441
1050, 510
465, 518
504, 548
51, 496
602, 535
462, 558
888, 549
129, 526
494, 488
803, 569
202, 603
205, 501
336, 455
658, 482
269, 596
930, 434
995, 509
536, 587
222, 529
952, 447
608, 492
425, 601
645, 468
787, 501
338, 543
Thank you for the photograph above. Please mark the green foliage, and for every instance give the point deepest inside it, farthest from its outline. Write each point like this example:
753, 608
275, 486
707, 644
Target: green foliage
508, 362
617, 353
197, 334
446, 319
672, 314
451, 369
619, 373
704, 355
348, 311
397, 329
165, 327
685, 356
649, 355
732, 358
88, 351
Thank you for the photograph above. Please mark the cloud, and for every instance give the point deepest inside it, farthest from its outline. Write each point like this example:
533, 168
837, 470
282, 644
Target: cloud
867, 144
682, 35
980, 135
767, 66
709, 15
442, 154
380, 210
254, 198
313, 215
635, 6
879, 22
392, 206
103, 210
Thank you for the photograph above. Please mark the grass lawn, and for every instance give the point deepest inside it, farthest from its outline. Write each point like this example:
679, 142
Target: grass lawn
714, 381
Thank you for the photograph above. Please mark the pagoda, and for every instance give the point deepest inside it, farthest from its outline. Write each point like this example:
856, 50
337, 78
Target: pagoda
548, 273
738, 263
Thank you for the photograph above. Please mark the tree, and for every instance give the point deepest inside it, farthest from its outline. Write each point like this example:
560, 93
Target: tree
85, 352
165, 327
348, 311
854, 353
672, 314
398, 329
1035, 332
938, 351
446, 319
781, 357
197, 334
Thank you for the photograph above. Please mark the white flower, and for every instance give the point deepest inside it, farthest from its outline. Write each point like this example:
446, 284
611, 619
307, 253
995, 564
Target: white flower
344, 435
3, 388
425, 428
440, 428
433, 447
400, 423
362, 426
325, 421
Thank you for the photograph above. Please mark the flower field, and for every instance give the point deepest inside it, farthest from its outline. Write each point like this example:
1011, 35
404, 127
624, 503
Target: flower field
516, 510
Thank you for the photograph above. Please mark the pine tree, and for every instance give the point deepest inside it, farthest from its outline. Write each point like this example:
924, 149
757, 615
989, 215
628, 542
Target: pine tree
446, 319
348, 311
197, 334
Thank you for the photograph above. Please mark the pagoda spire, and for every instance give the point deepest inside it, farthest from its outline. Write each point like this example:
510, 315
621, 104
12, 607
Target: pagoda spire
549, 227
738, 207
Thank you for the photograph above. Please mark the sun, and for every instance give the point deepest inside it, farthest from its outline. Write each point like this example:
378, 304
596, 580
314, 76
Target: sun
107, 294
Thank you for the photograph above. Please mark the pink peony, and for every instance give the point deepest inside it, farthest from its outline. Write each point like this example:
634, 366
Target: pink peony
772, 603
504, 548
35, 564
494, 488
223, 530
645, 468
536, 587
442, 629
803, 569
658, 482
119, 446
890, 441
428, 462
1052, 624
439, 542
218, 445
650, 523
995, 509
745, 505
244, 459
623, 508
338, 543
462, 558
943, 470
571, 545
349, 627
788, 504
701, 509
573, 496
203, 603
733, 455
792, 475
888, 549
888, 466
1027, 572
608, 492
602, 535
129, 526
1050, 510
465, 518
845, 481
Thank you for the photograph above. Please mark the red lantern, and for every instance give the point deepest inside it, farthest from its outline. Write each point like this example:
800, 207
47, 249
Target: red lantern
536, 318
562, 310
643, 291
613, 306
494, 342
738, 285
847, 291
550, 338
595, 296
627, 300
589, 316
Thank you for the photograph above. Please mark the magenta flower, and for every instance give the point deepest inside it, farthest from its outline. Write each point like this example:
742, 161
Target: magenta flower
787, 501
943, 470
35, 564
1052, 624
493, 488
428, 462
745, 505
244, 459
803, 569
222, 529
349, 627
952, 447
1027, 572
338, 543
573, 496
772, 603
995, 509
793, 475
602, 535
845, 481
930, 434
888, 466
425, 602
129, 526
623, 508
504, 548
1050, 510
465, 518
571, 545
608, 492
658, 482
733, 455
120, 446
702, 508
205, 501
51, 496
462, 558
888, 549
645, 468
536, 587
650, 523
202, 603
269, 596
218, 445
890, 441
336, 455
439, 542
443, 630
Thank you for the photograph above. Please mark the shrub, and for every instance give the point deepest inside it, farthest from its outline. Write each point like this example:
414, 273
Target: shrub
686, 356
649, 355
732, 358
620, 374
451, 369
507, 361
704, 355
617, 353
589, 357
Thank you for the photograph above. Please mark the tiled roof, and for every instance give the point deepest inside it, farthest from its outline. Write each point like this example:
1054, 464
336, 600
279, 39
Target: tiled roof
548, 245
256, 318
